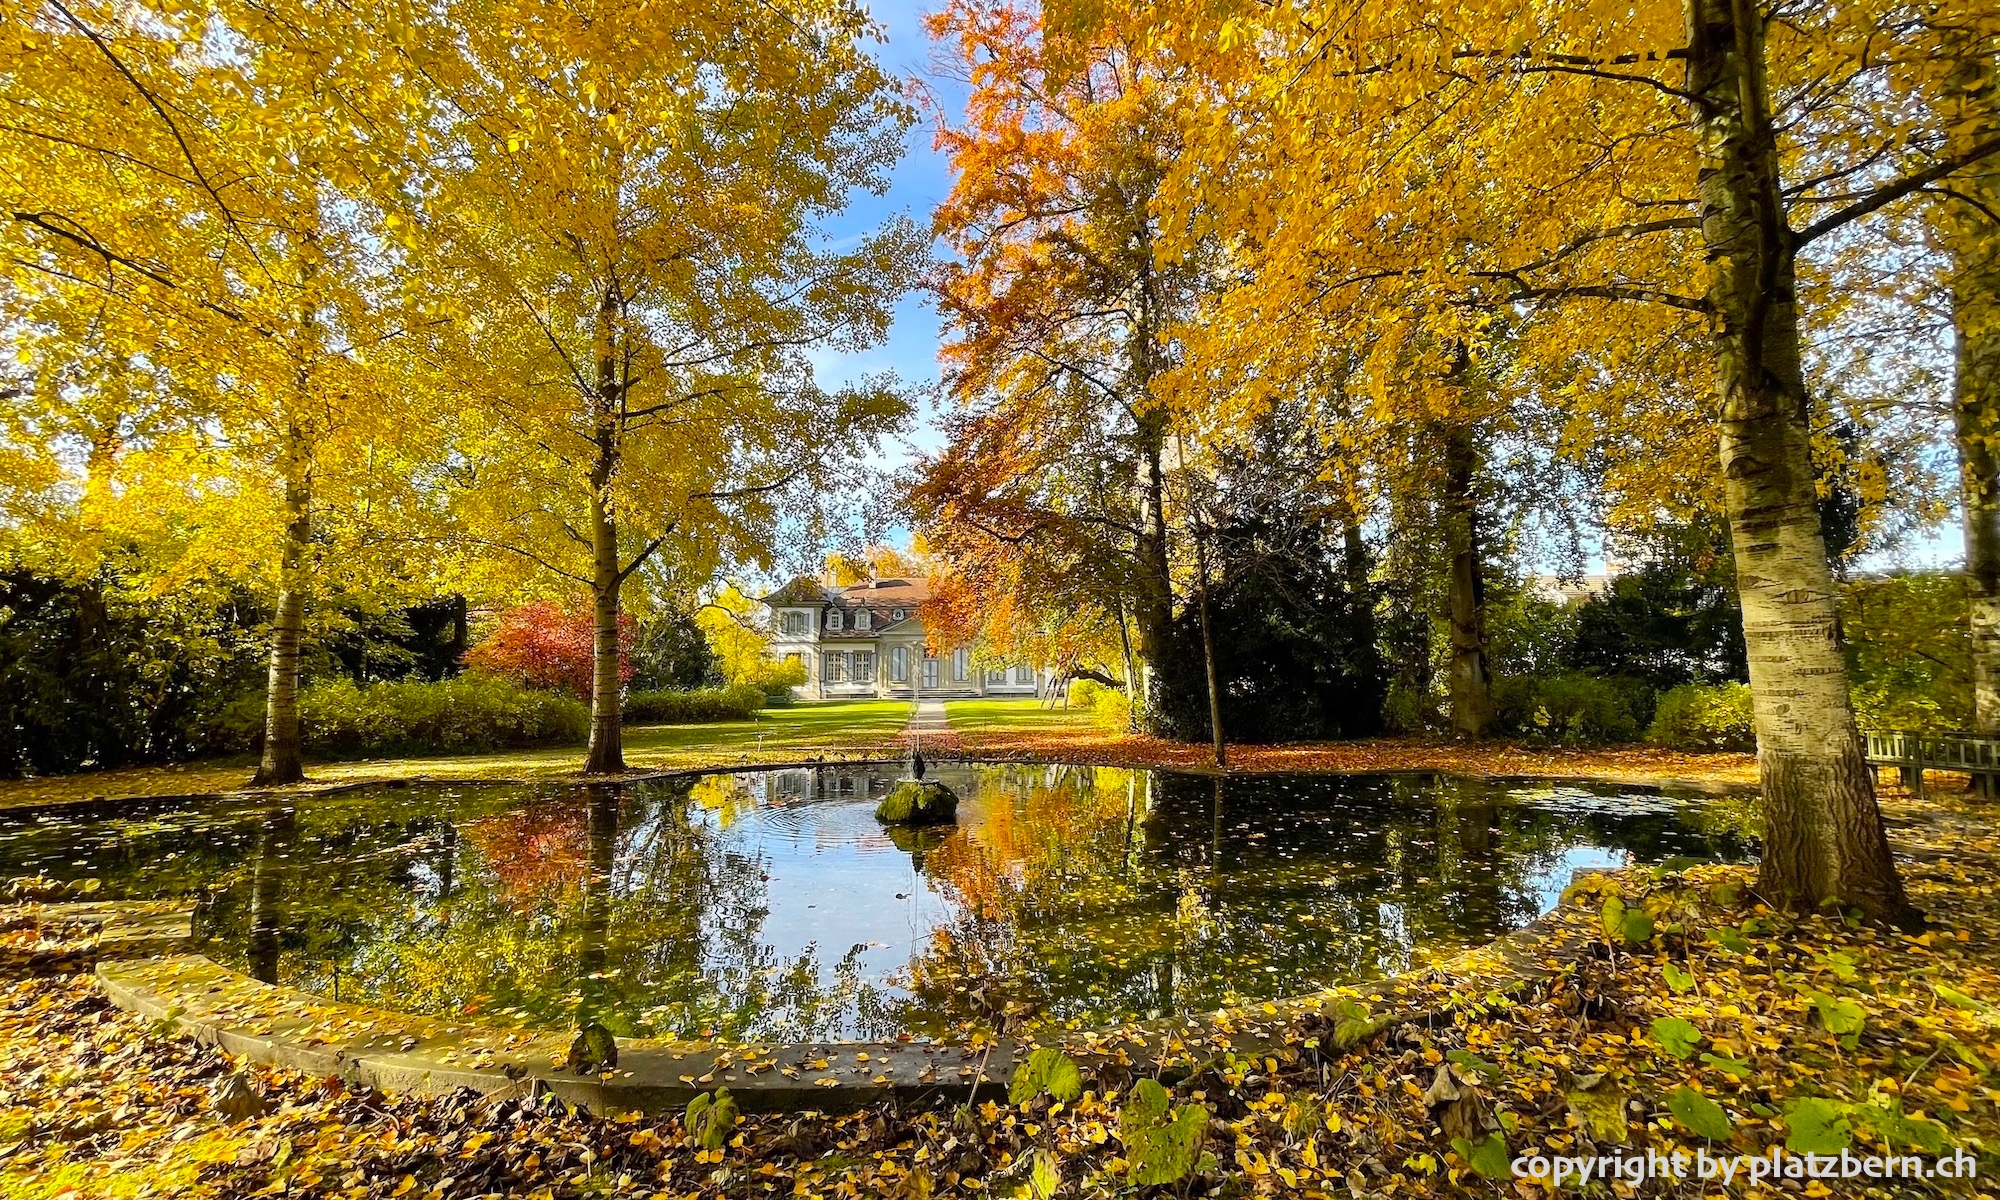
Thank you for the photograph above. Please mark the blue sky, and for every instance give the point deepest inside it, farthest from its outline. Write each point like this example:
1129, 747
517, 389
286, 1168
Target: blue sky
921, 180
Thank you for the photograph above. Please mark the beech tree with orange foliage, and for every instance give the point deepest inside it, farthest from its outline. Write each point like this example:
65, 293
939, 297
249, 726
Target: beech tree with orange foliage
1049, 503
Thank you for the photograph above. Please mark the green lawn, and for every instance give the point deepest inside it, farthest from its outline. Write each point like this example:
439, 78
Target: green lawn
806, 725
1011, 716
804, 730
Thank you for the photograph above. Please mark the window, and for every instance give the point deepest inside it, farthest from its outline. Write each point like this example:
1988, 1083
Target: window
864, 666
863, 619
796, 658
1024, 674
898, 614
795, 624
961, 665
833, 618
997, 675
930, 671
833, 667
899, 664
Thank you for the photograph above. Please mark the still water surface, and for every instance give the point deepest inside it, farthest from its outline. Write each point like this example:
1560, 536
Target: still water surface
770, 904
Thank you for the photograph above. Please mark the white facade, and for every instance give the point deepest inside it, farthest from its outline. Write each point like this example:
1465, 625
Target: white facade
867, 640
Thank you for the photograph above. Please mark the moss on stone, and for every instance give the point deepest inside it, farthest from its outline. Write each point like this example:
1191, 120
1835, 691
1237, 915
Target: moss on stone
914, 802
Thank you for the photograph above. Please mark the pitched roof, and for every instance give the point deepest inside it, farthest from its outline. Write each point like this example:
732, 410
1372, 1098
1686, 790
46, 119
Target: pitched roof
799, 591
874, 595
885, 593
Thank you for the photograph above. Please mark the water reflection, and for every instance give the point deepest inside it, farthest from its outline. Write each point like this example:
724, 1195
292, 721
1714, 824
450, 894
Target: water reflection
771, 904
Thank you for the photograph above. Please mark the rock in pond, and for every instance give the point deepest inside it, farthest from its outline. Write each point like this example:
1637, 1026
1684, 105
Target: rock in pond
918, 802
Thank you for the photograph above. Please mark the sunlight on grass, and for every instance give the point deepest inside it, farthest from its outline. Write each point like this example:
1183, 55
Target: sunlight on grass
803, 730
1010, 716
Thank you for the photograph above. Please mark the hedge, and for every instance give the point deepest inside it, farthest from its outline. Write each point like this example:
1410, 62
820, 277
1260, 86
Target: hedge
471, 712
1571, 709
738, 703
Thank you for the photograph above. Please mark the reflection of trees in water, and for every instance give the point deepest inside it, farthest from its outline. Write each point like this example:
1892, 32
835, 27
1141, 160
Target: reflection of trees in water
267, 890
1083, 892
1210, 892
627, 906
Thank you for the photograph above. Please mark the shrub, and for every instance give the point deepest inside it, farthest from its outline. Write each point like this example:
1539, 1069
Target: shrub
1700, 717
1569, 710
549, 646
1409, 709
472, 712
777, 679
1110, 706
738, 703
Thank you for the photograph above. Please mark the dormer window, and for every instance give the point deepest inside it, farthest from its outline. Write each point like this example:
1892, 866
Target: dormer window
861, 620
833, 618
898, 614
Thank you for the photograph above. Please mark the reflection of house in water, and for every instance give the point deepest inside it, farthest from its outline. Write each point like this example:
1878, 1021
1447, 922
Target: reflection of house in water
831, 782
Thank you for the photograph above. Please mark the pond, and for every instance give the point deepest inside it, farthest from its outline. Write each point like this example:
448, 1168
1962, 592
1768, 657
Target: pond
772, 905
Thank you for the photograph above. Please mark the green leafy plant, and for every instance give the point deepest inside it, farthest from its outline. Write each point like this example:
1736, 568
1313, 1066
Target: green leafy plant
1352, 1021
1487, 1157
1818, 1126
1841, 1017
1702, 1117
1163, 1142
1632, 926
694, 706
1046, 1070
710, 1117
1676, 1036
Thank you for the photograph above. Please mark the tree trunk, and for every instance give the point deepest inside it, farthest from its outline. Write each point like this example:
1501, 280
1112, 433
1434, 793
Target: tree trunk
1471, 681
1153, 606
1131, 669
1353, 555
1970, 232
281, 763
1208, 648
1823, 835
606, 755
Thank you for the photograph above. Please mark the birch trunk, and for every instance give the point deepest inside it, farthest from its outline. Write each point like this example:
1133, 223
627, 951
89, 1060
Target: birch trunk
1823, 835
281, 762
1471, 680
607, 729
606, 755
1970, 233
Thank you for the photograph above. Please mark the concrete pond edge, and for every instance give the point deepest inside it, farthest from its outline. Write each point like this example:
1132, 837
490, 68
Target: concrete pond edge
146, 966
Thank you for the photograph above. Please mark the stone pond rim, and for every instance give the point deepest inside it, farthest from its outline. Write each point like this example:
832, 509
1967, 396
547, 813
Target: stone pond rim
145, 967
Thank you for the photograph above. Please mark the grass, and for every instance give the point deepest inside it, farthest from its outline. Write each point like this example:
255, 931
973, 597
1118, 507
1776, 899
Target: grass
805, 730
976, 718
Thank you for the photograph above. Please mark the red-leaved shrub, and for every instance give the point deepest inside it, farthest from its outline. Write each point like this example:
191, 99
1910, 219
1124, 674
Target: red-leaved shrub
548, 645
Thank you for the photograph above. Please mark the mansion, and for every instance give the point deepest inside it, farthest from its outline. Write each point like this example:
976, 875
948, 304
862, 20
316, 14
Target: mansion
867, 640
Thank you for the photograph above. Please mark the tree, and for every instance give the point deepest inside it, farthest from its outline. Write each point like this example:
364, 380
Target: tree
1289, 653
1672, 208
627, 211
1052, 487
739, 644
201, 279
1966, 217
